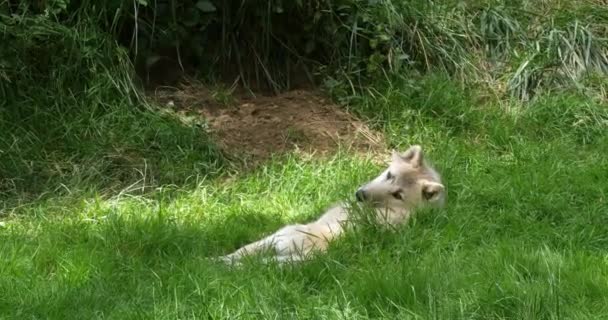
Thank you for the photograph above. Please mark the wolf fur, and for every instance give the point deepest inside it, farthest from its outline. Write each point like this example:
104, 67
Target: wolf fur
409, 182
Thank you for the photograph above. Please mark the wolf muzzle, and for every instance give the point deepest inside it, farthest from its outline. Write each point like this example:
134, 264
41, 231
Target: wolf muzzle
360, 195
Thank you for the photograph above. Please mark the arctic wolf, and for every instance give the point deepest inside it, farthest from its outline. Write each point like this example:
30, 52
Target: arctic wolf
408, 183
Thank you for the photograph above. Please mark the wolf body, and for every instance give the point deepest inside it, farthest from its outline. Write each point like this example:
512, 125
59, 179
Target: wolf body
408, 183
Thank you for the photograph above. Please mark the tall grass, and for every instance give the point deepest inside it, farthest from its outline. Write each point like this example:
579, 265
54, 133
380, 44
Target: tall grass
71, 118
511, 48
515, 48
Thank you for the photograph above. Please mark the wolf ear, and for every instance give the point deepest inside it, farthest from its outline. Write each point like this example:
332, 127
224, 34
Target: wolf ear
414, 155
432, 191
396, 156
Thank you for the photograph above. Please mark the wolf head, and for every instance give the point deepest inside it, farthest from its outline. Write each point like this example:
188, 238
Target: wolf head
407, 183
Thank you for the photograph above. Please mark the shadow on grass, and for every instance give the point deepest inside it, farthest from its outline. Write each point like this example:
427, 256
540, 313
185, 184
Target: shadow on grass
115, 151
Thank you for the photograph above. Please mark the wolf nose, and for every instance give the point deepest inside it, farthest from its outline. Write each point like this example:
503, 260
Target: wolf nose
360, 195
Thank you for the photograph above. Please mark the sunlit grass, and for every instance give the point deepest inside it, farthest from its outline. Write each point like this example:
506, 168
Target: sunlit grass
523, 235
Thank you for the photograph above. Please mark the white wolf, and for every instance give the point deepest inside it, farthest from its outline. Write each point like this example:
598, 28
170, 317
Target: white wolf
408, 183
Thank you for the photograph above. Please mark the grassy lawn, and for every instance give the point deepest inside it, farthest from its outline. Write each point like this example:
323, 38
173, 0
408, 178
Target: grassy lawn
524, 234
111, 207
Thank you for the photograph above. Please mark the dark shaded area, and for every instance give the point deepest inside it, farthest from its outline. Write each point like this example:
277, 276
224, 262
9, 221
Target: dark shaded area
264, 45
71, 119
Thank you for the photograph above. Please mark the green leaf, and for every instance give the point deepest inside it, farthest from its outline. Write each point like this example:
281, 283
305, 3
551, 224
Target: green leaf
373, 43
206, 6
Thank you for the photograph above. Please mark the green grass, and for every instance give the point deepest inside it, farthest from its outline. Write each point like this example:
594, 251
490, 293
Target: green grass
110, 209
73, 122
524, 235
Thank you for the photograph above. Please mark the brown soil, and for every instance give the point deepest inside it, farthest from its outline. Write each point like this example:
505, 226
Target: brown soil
260, 126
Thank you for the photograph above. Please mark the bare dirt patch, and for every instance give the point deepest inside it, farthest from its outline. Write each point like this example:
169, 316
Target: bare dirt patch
261, 126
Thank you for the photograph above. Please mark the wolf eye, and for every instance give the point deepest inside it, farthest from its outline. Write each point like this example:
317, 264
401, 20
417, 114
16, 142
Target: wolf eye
397, 195
389, 176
